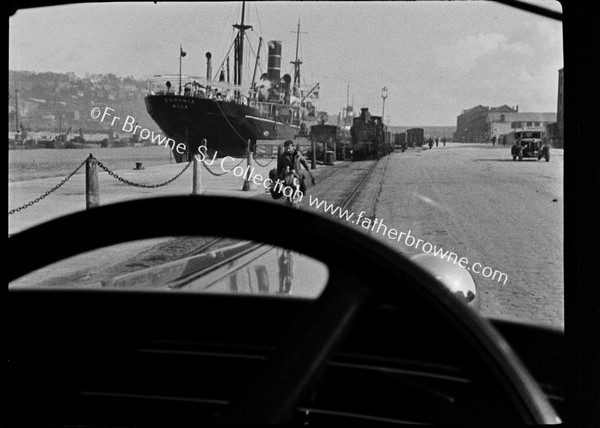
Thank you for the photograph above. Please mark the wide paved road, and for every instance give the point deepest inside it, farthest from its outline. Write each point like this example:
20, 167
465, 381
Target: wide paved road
475, 201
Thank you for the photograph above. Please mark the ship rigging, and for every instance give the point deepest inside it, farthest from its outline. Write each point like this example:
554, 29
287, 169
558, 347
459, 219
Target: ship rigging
228, 115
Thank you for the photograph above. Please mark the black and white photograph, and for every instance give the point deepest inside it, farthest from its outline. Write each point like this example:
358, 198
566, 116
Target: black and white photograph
298, 212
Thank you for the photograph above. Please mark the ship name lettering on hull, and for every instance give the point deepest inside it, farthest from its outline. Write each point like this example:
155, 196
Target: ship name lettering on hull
179, 103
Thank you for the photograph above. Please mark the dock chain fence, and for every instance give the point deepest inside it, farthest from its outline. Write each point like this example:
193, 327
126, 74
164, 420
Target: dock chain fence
145, 186
55, 188
216, 174
105, 168
121, 179
260, 164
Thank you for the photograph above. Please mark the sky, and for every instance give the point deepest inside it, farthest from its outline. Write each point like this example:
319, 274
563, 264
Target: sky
435, 58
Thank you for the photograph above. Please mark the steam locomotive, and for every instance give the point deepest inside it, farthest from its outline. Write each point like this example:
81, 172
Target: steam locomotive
370, 137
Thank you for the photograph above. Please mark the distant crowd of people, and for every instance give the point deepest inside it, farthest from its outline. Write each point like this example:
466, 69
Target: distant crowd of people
437, 141
495, 139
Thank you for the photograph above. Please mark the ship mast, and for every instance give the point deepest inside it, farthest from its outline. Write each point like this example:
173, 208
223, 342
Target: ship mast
240, 47
297, 62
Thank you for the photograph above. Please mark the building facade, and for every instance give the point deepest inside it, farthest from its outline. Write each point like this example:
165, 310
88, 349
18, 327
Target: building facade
472, 125
500, 124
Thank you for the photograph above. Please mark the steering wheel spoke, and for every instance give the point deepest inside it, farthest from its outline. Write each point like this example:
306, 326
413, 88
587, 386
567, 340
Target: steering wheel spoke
272, 393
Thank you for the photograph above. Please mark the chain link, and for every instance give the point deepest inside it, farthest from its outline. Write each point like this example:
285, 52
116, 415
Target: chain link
55, 188
123, 180
145, 186
217, 174
259, 164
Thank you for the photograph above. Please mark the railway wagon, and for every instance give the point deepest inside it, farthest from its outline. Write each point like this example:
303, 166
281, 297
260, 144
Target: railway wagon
370, 138
389, 141
400, 141
329, 138
415, 137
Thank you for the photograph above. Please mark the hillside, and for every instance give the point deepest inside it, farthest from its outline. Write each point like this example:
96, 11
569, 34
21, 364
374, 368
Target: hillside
49, 100
52, 101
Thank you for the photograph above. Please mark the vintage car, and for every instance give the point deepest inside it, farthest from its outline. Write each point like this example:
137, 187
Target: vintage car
530, 144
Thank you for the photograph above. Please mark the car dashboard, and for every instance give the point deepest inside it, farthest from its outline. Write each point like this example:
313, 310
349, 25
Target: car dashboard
178, 359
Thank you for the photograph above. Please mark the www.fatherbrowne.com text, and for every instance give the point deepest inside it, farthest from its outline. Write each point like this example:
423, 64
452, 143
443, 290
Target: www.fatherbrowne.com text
407, 238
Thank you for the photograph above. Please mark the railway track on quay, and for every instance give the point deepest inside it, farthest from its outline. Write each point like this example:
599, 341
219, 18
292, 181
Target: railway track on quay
180, 261
168, 263
429, 193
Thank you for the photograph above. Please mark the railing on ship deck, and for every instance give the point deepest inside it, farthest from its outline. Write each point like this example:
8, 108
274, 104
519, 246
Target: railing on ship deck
198, 87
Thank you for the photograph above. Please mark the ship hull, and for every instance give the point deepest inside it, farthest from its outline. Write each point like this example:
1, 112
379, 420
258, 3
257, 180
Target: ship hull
225, 125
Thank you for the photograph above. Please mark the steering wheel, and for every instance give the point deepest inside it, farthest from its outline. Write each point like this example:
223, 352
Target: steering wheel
273, 392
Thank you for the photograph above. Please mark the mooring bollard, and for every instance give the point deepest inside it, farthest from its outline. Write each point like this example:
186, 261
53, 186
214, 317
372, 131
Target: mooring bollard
279, 150
248, 185
92, 189
334, 151
197, 188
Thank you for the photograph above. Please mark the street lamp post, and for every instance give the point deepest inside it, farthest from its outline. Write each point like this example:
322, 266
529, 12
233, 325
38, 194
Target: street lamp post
384, 95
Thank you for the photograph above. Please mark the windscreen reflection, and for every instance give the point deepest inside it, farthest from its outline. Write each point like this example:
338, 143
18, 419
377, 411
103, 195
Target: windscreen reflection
187, 264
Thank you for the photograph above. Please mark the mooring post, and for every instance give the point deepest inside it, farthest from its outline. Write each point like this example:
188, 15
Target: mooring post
278, 155
334, 151
247, 183
92, 189
197, 188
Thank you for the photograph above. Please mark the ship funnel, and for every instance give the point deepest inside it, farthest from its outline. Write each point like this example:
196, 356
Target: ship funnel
208, 67
365, 115
274, 63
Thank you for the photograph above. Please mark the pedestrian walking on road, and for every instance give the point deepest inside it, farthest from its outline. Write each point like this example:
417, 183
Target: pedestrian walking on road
493, 141
437, 141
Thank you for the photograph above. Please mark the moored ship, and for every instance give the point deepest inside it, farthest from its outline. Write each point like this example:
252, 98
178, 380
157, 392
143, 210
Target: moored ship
225, 116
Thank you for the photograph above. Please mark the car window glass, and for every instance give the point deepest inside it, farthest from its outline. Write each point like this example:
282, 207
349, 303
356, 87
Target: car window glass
438, 126
186, 264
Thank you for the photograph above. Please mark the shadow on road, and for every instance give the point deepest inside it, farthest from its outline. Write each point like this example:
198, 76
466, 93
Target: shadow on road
504, 160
